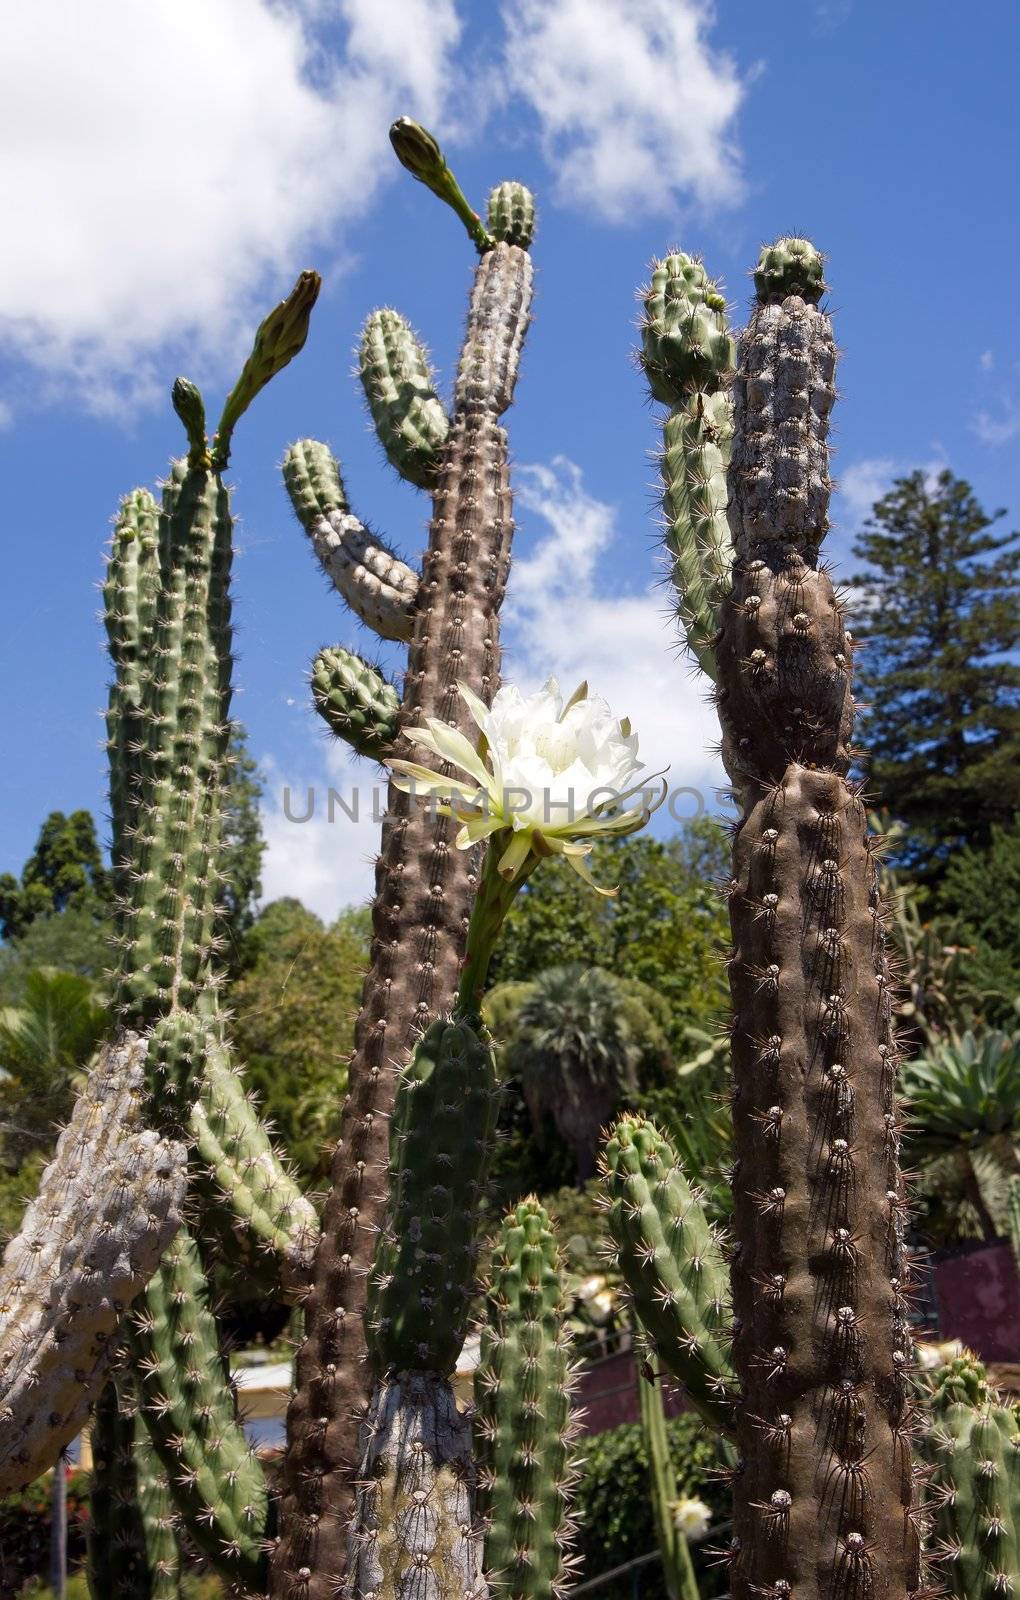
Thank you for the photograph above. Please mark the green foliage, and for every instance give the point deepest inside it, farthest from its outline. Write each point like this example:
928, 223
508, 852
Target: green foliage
963, 1120
614, 1509
663, 928
981, 890
65, 869
25, 1536
965, 1091
45, 1040
939, 612
575, 1051
294, 1006
74, 940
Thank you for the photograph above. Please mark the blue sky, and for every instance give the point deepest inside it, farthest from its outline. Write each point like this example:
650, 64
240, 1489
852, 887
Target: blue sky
170, 167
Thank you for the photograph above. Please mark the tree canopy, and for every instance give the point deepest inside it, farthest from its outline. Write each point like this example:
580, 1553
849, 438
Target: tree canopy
938, 612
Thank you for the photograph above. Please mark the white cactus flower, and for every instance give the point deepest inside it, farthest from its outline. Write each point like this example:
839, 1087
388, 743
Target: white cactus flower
551, 775
692, 1518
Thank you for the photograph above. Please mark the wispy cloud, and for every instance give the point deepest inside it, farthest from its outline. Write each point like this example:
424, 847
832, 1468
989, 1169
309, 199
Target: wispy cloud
860, 485
182, 160
1000, 426
636, 109
830, 14
986, 360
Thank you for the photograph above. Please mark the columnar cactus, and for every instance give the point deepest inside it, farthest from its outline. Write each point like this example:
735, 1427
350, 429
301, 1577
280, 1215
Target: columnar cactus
356, 702
450, 618
821, 1348
823, 1494
524, 1422
972, 1448
168, 624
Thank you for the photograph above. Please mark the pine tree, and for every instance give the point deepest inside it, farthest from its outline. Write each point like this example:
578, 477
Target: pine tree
938, 612
65, 870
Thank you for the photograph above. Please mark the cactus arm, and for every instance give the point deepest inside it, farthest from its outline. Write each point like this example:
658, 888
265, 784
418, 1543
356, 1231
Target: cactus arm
257, 1191
132, 1545
376, 584
356, 702
188, 1406
400, 390
130, 594
524, 1430
671, 1262
511, 214
279, 338
424, 890
821, 1348
688, 356
107, 1206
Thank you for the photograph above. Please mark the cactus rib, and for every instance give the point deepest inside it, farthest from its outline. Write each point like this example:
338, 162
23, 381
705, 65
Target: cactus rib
356, 702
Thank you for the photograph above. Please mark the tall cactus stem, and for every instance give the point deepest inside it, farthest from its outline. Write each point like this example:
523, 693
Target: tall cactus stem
524, 1424
133, 1552
420, 915
823, 1496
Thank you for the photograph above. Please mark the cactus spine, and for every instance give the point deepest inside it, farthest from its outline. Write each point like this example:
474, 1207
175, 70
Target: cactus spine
424, 886
524, 1427
821, 1348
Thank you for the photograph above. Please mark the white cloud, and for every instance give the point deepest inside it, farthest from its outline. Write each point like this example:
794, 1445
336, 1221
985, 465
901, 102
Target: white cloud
635, 108
830, 14
861, 484
986, 360
166, 161
559, 619
996, 429
6, 415
314, 850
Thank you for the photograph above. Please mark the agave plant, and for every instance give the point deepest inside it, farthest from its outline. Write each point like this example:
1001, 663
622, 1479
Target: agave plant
965, 1091
963, 1100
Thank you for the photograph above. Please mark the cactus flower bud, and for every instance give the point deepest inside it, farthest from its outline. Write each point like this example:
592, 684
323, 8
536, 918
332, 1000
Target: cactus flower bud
418, 150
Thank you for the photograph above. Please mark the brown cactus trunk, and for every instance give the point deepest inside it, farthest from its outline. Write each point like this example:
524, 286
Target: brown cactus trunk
822, 1495
424, 891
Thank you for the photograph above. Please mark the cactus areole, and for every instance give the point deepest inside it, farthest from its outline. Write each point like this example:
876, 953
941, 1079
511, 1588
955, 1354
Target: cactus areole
821, 1347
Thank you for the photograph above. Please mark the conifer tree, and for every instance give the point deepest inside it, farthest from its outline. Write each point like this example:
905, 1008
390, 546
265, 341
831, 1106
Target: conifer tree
938, 612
